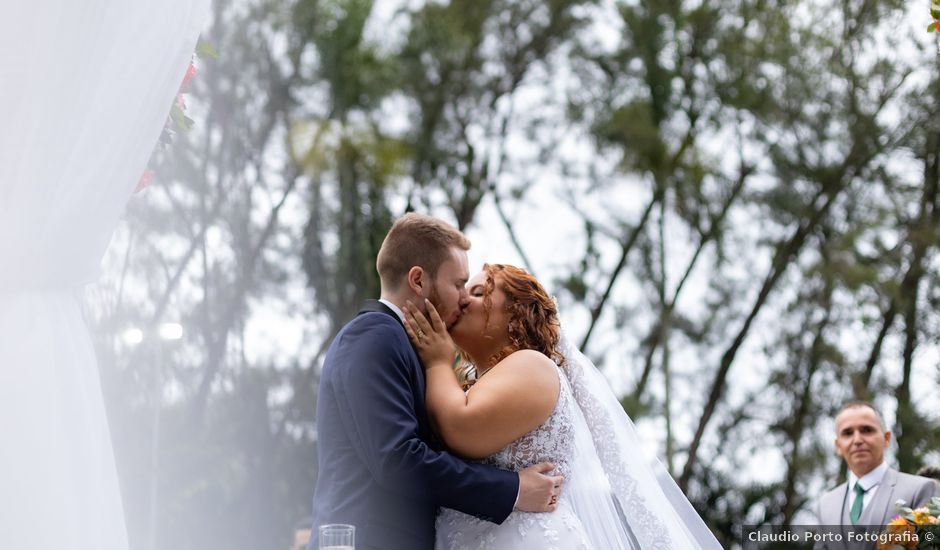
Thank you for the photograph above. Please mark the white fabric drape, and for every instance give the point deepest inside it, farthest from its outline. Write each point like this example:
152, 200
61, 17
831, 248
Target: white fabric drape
85, 88
626, 500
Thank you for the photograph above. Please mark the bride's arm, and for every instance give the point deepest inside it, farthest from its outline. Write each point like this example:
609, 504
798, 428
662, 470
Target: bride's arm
514, 397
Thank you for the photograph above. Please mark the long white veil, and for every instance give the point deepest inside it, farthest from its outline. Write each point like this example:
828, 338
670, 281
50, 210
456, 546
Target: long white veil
624, 499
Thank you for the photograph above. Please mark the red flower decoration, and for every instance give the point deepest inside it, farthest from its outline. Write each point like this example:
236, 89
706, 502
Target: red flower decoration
145, 180
190, 73
178, 118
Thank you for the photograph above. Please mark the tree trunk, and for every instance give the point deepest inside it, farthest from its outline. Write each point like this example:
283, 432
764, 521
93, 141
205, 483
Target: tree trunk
861, 383
792, 501
654, 338
625, 249
908, 424
785, 252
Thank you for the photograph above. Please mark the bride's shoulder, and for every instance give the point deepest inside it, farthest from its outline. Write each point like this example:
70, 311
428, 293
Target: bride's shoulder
529, 355
529, 362
527, 378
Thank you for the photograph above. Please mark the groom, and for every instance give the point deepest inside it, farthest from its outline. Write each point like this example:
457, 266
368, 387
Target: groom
380, 464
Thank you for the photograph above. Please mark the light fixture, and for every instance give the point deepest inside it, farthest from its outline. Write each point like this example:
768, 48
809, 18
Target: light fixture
171, 331
133, 336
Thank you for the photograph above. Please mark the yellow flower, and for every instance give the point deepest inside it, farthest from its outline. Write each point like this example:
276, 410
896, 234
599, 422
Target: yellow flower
921, 516
896, 535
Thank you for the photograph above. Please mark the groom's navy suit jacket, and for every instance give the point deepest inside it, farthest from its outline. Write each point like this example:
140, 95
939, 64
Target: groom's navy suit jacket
379, 467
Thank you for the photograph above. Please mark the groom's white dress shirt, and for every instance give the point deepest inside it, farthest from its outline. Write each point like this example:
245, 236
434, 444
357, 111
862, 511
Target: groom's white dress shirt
396, 309
868, 482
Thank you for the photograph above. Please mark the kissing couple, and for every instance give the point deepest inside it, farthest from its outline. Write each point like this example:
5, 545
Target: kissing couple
536, 454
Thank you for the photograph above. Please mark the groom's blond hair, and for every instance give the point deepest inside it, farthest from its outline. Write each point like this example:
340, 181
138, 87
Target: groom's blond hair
416, 240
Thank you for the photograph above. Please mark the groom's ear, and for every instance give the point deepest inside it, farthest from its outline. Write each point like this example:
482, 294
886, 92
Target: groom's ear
417, 280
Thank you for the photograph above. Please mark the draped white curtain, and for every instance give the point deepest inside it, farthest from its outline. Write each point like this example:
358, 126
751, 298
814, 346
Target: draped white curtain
85, 88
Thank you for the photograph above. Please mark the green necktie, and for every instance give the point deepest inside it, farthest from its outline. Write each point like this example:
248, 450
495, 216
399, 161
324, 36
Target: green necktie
856, 511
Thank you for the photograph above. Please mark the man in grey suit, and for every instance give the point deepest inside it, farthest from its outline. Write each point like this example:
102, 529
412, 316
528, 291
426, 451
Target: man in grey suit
869, 494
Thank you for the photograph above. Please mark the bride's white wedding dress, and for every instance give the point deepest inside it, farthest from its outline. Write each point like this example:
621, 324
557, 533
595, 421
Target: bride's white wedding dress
613, 498
550, 442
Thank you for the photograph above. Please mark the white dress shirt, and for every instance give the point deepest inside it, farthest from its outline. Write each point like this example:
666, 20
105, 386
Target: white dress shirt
868, 482
396, 309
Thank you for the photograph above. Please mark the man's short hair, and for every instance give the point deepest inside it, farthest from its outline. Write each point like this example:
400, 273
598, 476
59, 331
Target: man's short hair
416, 240
857, 403
933, 472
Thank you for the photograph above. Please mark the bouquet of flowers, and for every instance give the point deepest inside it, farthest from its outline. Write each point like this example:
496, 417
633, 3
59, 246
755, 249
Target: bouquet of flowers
935, 14
914, 529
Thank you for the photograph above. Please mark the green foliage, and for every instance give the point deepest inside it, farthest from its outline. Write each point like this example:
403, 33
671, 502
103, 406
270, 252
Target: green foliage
632, 129
576, 286
462, 63
180, 119
358, 75
206, 50
634, 406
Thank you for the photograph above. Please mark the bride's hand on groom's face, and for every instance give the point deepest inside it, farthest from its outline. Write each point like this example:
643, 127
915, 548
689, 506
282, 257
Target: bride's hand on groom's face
429, 337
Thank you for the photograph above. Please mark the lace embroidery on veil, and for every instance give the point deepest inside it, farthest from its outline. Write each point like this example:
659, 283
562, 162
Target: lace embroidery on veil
656, 512
648, 528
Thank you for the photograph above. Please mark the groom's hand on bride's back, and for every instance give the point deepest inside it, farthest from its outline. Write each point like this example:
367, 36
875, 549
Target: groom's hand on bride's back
539, 491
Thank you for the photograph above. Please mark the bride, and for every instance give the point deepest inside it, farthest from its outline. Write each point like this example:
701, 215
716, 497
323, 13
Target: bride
537, 399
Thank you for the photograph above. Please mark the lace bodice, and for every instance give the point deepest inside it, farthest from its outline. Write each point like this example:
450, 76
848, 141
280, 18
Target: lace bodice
550, 442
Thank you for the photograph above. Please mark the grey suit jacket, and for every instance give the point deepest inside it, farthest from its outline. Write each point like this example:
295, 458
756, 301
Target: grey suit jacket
913, 490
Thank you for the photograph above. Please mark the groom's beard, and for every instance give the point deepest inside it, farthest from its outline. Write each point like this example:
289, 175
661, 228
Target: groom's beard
435, 299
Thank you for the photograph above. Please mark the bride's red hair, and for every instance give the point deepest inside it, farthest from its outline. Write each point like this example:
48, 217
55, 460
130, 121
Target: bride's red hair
533, 315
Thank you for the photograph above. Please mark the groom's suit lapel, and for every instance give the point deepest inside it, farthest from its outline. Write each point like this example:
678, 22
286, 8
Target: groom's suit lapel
375, 305
379, 307
423, 421
879, 507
